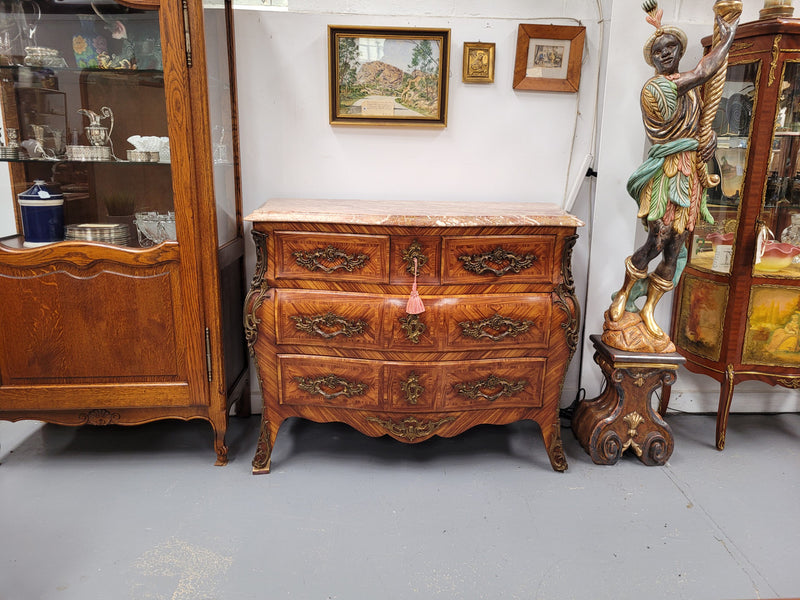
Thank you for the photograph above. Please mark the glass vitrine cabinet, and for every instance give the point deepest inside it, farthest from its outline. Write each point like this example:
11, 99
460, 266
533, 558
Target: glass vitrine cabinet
736, 312
121, 116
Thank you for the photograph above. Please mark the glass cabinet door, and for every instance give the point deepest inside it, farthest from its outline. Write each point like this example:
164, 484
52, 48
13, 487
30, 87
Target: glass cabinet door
85, 118
220, 95
778, 249
713, 244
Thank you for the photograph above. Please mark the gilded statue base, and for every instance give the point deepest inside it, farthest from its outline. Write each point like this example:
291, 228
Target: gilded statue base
622, 418
631, 335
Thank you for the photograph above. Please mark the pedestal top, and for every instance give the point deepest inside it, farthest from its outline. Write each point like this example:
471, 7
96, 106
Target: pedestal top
641, 359
420, 213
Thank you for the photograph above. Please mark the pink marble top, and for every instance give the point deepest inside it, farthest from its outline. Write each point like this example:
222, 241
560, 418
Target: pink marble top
414, 213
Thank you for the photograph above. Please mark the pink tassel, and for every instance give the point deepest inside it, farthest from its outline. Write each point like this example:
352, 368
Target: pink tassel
414, 305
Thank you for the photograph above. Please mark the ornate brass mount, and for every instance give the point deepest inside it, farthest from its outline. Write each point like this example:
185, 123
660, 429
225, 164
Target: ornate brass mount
325, 326
412, 388
494, 387
411, 428
413, 327
505, 261
412, 252
330, 255
320, 385
502, 327
792, 382
633, 420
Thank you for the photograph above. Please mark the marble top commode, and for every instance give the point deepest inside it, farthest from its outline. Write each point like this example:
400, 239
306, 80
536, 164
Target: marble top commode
420, 213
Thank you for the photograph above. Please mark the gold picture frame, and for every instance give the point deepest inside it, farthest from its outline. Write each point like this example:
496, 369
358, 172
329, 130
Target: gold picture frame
388, 75
478, 62
549, 57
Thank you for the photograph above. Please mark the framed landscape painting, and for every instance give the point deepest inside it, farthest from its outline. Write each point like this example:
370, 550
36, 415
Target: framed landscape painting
388, 76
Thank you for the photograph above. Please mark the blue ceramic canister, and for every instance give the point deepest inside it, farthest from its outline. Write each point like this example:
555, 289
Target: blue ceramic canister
42, 215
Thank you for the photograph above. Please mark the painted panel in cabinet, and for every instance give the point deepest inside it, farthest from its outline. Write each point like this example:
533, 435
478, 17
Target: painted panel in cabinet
773, 327
701, 318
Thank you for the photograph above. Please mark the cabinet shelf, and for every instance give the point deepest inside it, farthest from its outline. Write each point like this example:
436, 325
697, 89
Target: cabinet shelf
56, 161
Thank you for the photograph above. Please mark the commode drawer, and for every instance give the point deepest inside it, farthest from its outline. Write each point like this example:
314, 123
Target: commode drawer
331, 257
352, 320
495, 383
498, 259
497, 321
325, 381
321, 318
408, 387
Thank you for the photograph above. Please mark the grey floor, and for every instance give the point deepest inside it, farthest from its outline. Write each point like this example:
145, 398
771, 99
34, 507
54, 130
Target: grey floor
141, 513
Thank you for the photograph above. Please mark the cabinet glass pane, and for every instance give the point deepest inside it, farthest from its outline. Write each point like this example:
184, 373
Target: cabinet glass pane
780, 212
221, 117
713, 244
83, 100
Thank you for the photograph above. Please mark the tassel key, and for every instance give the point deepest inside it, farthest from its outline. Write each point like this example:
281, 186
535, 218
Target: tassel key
414, 305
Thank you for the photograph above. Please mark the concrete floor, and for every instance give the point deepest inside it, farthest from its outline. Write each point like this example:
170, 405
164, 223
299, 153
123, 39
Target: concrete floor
142, 513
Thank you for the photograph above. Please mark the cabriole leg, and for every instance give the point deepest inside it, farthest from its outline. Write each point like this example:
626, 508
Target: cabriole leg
266, 440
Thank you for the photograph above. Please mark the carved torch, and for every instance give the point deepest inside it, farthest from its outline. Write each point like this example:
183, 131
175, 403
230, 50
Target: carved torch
728, 10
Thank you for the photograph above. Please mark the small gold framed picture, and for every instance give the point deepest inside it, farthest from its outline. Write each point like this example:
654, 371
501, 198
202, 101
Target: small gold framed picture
478, 62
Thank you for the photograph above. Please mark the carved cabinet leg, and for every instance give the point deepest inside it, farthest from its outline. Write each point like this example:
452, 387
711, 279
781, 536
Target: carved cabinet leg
725, 398
555, 449
221, 448
262, 461
622, 418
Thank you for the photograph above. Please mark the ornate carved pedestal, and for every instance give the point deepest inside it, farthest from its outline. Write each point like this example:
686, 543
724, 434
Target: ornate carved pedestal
622, 418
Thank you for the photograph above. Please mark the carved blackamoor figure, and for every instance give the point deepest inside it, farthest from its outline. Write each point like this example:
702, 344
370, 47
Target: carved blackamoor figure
670, 185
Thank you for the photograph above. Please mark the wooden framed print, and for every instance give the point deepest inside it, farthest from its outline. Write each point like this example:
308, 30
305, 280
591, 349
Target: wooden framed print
388, 75
549, 57
478, 62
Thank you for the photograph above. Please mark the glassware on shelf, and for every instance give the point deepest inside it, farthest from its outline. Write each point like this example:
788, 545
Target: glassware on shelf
791, 235
153, 228
101, 147
9, 152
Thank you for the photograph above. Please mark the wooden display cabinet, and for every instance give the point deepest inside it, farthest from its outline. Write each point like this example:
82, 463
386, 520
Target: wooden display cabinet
124, 331
736, 313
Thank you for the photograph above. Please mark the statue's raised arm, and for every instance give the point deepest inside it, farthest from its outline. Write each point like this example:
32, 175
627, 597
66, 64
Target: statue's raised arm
670, 186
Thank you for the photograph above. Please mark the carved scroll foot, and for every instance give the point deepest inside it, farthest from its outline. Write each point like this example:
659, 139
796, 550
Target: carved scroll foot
262, 461
622, 418
554, 446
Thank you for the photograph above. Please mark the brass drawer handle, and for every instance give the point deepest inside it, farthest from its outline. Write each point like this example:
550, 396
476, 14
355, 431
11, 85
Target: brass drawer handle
338, 385
331, 254
412, 252
495, 388
502, 327
411, 428
412, 388
505, 261
323, 325
413, 327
